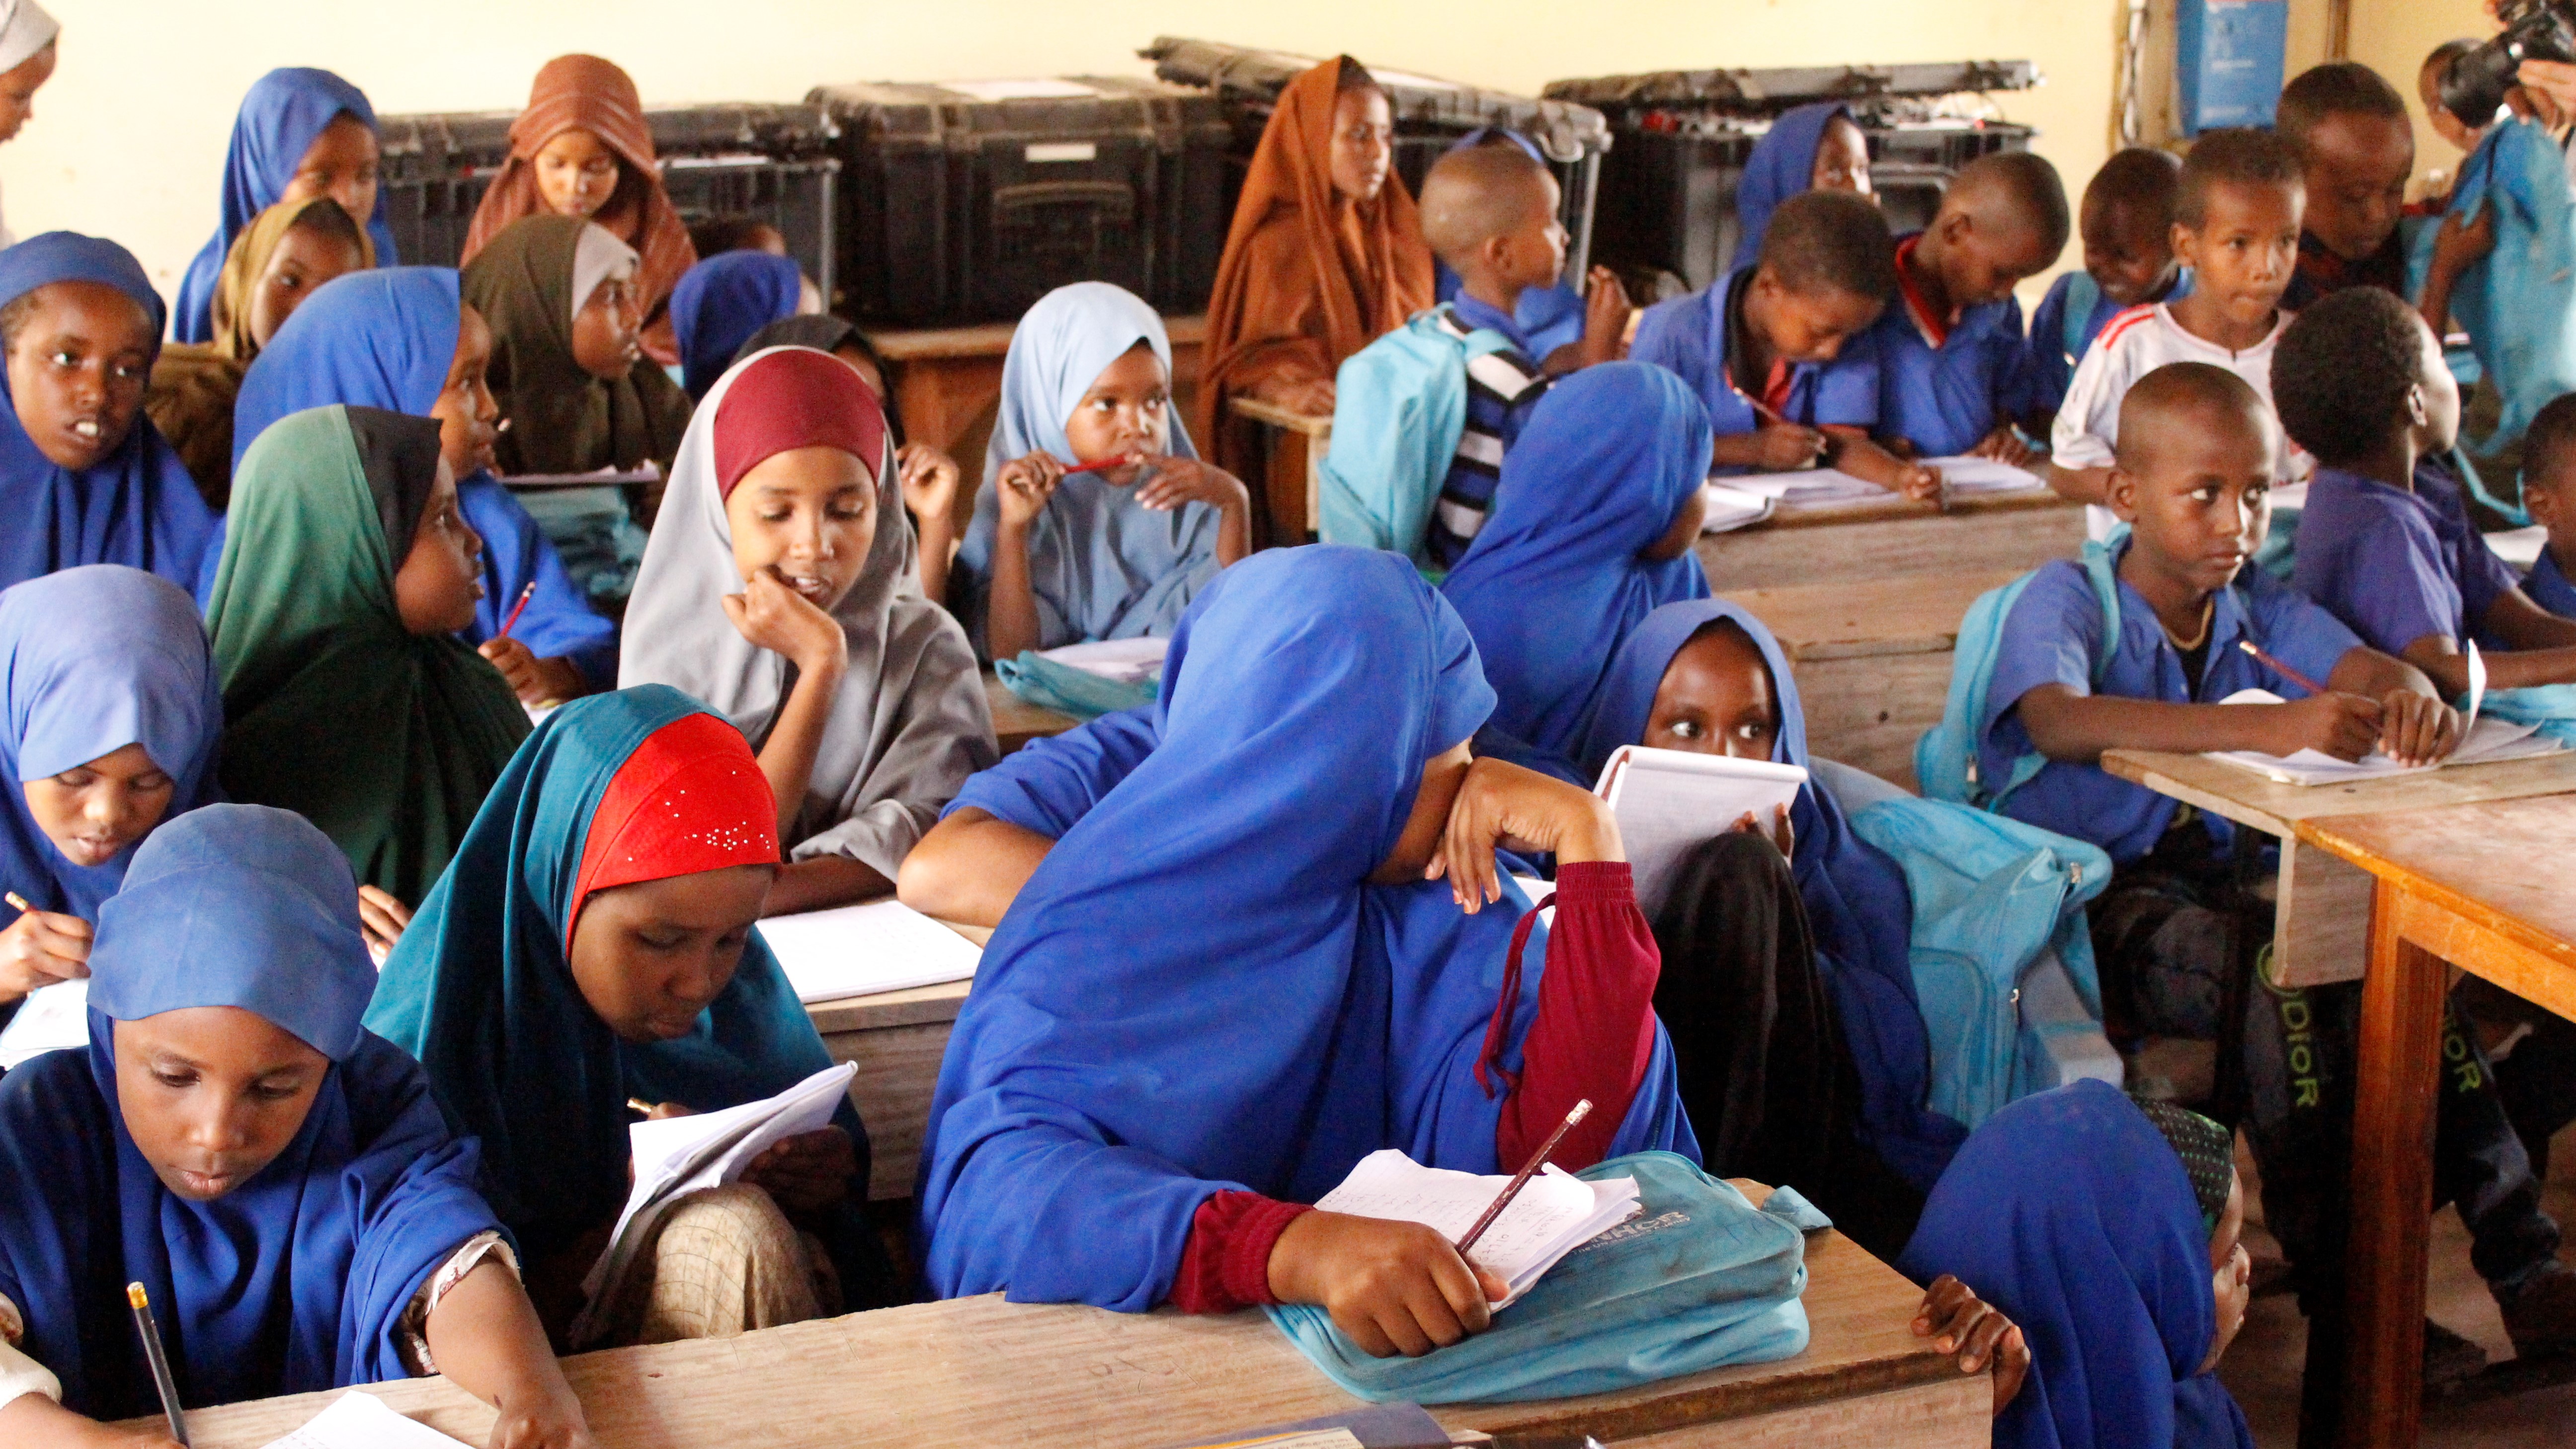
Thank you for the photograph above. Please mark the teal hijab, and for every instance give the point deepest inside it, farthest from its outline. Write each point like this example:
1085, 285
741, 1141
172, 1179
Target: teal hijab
480, 992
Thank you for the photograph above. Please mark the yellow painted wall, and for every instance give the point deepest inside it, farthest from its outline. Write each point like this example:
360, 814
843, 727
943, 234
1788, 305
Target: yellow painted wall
2393, 37
128, 140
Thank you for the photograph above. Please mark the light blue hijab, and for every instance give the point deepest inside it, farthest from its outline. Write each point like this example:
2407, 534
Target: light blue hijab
1102, 565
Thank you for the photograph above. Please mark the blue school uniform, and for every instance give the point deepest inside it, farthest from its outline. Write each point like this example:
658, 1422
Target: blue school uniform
2056, 349
2548, 587
1503, 388
2053, 635
1548, 317
2397, 566
1945, 393
1690, 336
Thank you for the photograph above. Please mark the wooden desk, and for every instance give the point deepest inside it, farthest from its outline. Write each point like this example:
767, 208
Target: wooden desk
2480, 887
1016, 721
2321, 922
1873, 659
1832, 543
1292, 447
898, 1039
983, 1372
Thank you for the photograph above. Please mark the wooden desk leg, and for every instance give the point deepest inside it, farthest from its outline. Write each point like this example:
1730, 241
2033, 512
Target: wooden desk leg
2392, 1181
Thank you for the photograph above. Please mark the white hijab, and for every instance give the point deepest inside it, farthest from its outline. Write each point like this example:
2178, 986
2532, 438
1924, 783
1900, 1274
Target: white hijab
910, 722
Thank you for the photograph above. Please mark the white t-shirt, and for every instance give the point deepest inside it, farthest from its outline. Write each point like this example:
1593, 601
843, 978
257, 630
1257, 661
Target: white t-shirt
2133, 344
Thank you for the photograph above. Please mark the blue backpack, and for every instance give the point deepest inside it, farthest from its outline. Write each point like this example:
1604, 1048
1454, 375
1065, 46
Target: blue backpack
1945, 758
1401, 407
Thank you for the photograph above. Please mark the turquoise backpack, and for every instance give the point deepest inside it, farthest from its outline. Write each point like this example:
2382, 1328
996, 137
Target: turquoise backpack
1945, 759
1401, 408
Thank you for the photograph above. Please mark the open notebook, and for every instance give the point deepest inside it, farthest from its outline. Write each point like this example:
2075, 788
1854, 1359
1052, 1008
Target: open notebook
49, 1020
361, 1421
1128, 661
1730, 507
1556, 1214
862, 950
1670, 800
1960, 478
2486, 741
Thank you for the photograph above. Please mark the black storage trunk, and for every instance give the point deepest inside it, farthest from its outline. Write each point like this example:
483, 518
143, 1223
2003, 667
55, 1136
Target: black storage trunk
1668, 189
1430, 114
770, 161
966, 205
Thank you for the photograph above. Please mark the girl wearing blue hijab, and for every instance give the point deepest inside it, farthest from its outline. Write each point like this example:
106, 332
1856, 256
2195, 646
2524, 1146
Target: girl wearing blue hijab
1812, 148
1592, 528
2109, 1231
85, 477
109, 713
722, 301
402, 339
281, 1182
301, 133
1055, 556
1242, 971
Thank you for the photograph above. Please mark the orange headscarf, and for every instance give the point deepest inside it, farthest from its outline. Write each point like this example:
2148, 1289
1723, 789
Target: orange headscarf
1308, 277
584, 92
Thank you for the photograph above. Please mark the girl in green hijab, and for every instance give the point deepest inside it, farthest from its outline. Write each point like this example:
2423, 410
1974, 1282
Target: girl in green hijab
345, 575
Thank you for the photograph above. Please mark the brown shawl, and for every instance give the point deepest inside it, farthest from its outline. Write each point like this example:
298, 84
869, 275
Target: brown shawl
1308, 277
584, 92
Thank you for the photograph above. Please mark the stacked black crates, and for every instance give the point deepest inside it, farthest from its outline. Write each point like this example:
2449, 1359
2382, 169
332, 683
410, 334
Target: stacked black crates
1668, 189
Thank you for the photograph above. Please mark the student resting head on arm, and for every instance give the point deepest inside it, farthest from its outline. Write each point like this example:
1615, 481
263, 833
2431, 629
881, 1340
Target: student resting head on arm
108, 721
301, 133
773, 590
2126, 225
84, 477
594, 942
282, 1182
1057, 555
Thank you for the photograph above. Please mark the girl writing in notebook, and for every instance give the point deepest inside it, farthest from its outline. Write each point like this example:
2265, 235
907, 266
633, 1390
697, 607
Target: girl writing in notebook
594, 944
281, 1181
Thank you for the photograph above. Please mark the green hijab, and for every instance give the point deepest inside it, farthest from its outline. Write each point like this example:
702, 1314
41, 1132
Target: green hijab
385, 739
562, 419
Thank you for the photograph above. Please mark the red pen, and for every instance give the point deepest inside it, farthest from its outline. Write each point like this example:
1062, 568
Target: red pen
518, 608
1102, 465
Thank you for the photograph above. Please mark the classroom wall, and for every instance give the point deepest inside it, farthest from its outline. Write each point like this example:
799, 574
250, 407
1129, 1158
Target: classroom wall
2393, 37
128, 139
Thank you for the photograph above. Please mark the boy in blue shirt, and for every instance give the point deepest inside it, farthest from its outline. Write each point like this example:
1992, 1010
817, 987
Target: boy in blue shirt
2126, 225
1954, 369
2171, 934
2549, 491
1774, 348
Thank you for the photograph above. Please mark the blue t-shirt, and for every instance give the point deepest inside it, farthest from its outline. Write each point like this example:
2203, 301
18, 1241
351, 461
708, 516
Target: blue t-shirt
2052, 362
2396, 566
1502, 389
2548, 587
2053, 635
1688, 336
1945, 398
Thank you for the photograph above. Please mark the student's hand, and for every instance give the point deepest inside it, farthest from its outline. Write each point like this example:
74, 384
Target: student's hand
2552, 81
928, 478
2417, 729
39, 949
1504, 806
2004, 445
2456, 247
1026, 484
1788, 448
1393, 1287
1919, 483
2345, 726
777, 618
806, 1173
545, 1422
1605, 317
1957, 1321
533, 680
1312, 398
1172, 482
1780, 832
383, 920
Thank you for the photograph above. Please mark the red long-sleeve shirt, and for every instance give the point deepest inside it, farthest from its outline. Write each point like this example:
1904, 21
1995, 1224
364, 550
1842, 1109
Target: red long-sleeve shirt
1592, 1037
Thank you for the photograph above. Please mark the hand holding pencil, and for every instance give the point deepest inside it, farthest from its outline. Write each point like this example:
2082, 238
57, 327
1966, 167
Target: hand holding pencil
40, 949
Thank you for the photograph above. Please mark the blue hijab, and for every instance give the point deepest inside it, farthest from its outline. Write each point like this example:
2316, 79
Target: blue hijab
2072, 1214
94, 659
720, 302
480, 992
1549, 317
295, 1280
136, 506
1858, 910
1554, 580
385, 339
1199, 990
1783, 164
286, 111
1102, 565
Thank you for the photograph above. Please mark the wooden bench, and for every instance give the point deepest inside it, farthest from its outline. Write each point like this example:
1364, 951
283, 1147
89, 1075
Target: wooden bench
979, 1371
1873, 658
1877, 538
1291, 448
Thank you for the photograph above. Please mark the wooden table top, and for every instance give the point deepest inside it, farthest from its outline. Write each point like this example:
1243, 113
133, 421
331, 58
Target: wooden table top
1893, 506
1276, 416
981, 1371
1914, 614
993, 339
2276, 809
1015, 720
910, 1007
2498, 864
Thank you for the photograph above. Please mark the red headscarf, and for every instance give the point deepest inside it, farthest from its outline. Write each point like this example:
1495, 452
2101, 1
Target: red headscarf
795, 397
584, 92
690, 799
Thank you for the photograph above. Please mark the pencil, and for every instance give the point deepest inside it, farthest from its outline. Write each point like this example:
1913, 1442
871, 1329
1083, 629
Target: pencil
17, 900
2281, 669
160, 1361
516, 609
1521, 1178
